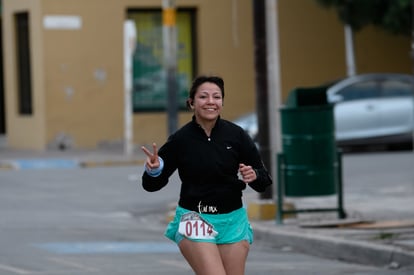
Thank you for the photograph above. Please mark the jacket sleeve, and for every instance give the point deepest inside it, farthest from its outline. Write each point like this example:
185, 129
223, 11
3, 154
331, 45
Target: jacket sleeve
263, 180
251, 156
167, 153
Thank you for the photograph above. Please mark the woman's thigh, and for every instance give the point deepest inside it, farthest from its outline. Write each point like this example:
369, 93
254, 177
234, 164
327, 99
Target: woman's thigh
204, 258
234, 257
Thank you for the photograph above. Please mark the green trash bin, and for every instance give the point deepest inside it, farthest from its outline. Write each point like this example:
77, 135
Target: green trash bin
310, 156
310, 164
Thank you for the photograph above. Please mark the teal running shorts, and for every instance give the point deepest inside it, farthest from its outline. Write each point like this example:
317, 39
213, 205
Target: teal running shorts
228, 228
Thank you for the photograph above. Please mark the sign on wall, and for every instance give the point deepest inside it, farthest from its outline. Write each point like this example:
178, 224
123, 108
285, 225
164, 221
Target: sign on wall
149, 92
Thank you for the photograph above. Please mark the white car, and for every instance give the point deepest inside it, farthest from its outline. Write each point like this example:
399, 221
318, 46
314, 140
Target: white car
249, 123
370, 109
373, 109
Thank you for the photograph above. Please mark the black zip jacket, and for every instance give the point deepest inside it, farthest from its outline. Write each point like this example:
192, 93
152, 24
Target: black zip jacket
208, 166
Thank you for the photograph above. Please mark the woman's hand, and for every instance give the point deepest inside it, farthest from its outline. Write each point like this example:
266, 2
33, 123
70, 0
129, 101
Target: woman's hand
247, 172
152, 161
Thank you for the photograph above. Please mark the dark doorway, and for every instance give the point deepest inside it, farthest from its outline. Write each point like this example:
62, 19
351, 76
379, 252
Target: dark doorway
24, 81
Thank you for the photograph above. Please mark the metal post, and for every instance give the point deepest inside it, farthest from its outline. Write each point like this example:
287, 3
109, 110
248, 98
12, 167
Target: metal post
274, 83
349, 41
349, 48
130, 39
341, 211
280, 183
169, 32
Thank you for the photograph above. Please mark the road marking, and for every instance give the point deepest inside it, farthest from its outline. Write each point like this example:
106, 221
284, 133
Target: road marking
109, 247
14, 269
45, 163
73, 264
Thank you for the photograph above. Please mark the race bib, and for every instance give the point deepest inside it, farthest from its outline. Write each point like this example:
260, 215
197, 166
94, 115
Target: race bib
193, 226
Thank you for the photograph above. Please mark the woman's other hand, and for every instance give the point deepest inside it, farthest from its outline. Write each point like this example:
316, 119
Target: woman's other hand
247, 173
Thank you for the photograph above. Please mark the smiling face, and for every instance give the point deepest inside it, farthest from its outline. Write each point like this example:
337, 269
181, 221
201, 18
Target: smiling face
207, 103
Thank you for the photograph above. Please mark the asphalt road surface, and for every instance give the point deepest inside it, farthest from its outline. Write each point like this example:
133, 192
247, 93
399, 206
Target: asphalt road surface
86, 221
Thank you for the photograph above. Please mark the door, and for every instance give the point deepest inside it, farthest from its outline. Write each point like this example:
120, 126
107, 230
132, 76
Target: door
396, 108
357, 115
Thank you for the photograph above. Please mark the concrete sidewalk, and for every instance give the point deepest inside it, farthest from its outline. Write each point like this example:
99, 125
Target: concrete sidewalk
378, 230
378, 243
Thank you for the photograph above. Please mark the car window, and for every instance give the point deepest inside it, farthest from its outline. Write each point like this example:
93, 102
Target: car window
358, 91
393, 88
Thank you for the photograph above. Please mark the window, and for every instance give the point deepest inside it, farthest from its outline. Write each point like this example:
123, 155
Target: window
24, 81
394, 88
362, 90
149, 78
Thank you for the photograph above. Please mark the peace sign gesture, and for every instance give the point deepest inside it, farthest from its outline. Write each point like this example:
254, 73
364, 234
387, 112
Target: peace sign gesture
152, 161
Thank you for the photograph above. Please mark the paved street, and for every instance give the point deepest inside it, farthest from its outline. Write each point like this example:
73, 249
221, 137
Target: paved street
372, 183
99, 221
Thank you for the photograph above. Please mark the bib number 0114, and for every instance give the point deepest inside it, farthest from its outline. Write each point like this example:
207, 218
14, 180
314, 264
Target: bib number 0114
194, 227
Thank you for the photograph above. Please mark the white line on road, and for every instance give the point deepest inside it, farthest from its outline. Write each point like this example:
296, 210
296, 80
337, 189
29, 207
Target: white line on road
73, 264
14, 269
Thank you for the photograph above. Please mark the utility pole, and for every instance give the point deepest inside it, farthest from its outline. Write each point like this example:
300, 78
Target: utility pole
412, 34
169, 32
274, 84
412, 48
260, 54
130, 39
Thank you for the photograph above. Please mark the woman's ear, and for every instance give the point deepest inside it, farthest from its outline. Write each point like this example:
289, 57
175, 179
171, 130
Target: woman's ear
190, 104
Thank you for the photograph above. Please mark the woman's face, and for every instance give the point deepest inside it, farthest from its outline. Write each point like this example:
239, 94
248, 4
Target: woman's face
208, 102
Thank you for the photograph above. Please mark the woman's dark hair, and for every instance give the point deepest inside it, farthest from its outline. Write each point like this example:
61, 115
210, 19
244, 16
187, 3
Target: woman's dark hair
200, 80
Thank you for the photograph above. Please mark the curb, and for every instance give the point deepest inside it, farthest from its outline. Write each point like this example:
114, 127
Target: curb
261, 210
327, 247
6, 166
361, 252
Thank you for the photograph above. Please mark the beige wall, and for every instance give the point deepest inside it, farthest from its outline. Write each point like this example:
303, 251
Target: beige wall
225, 47
71, 99
83, 71
312, 47
23, 131
378, 51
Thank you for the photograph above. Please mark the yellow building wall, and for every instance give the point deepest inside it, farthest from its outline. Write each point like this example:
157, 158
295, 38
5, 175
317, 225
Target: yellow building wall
25, 132
225, 47
78, 74
312, 47
84, 73
87, 110
378, 51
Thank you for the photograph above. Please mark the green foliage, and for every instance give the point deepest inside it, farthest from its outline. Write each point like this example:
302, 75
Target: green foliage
392, 15
397, 18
